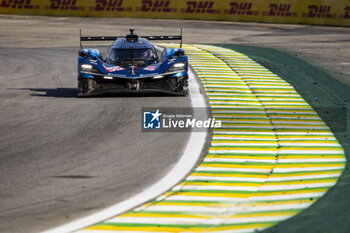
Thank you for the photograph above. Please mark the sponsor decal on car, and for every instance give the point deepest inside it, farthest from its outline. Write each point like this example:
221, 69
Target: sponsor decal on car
150, 68
93, 62
113, 68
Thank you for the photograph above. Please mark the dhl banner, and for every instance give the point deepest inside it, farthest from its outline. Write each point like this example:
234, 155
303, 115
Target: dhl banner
322, 12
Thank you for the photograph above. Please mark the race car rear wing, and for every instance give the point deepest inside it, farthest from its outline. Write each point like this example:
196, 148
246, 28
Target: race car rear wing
113, 38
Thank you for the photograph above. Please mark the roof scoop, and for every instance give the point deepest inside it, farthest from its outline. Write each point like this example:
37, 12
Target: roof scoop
132, 37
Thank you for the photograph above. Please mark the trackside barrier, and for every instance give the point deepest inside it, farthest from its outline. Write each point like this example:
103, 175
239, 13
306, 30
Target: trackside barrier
322, 12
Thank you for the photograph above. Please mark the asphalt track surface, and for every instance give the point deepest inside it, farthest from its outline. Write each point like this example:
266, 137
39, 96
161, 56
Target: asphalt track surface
84, 153
64, 157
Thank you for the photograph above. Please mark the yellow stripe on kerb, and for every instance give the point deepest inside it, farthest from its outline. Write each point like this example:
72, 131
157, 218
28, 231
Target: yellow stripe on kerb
272, 158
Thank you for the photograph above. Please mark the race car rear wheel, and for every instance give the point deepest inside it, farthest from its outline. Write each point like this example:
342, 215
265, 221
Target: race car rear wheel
86, 86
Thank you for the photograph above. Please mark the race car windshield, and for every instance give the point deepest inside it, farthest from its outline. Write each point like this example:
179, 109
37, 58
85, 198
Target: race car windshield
117, 56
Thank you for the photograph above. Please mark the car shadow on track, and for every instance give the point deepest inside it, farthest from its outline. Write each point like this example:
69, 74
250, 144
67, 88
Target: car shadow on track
50, 92
55, 92
73, 93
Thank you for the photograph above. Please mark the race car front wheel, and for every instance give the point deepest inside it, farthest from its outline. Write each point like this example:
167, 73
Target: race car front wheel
183, 86
86, 86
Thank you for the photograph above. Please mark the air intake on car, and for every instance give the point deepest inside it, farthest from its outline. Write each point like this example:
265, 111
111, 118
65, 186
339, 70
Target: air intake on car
132, 37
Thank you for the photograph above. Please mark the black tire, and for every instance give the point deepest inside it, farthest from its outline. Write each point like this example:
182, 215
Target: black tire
86, 86
183, 90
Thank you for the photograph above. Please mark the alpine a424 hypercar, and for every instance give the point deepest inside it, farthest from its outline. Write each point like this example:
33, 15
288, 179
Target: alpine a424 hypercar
132, 64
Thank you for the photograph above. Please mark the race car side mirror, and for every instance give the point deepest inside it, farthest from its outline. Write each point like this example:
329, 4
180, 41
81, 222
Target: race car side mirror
90, 53
179, 52
171, 52
84, 53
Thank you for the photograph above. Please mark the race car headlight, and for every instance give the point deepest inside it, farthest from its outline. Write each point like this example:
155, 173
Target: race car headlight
158, 76
177, 67
89, 68
86, 67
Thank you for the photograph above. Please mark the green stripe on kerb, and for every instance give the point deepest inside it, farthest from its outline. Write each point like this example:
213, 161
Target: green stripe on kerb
204, 226
272, 158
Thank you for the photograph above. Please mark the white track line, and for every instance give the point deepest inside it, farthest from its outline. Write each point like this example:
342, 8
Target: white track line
180, 170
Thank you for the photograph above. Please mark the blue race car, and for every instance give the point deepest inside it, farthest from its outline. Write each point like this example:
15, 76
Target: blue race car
133, 64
